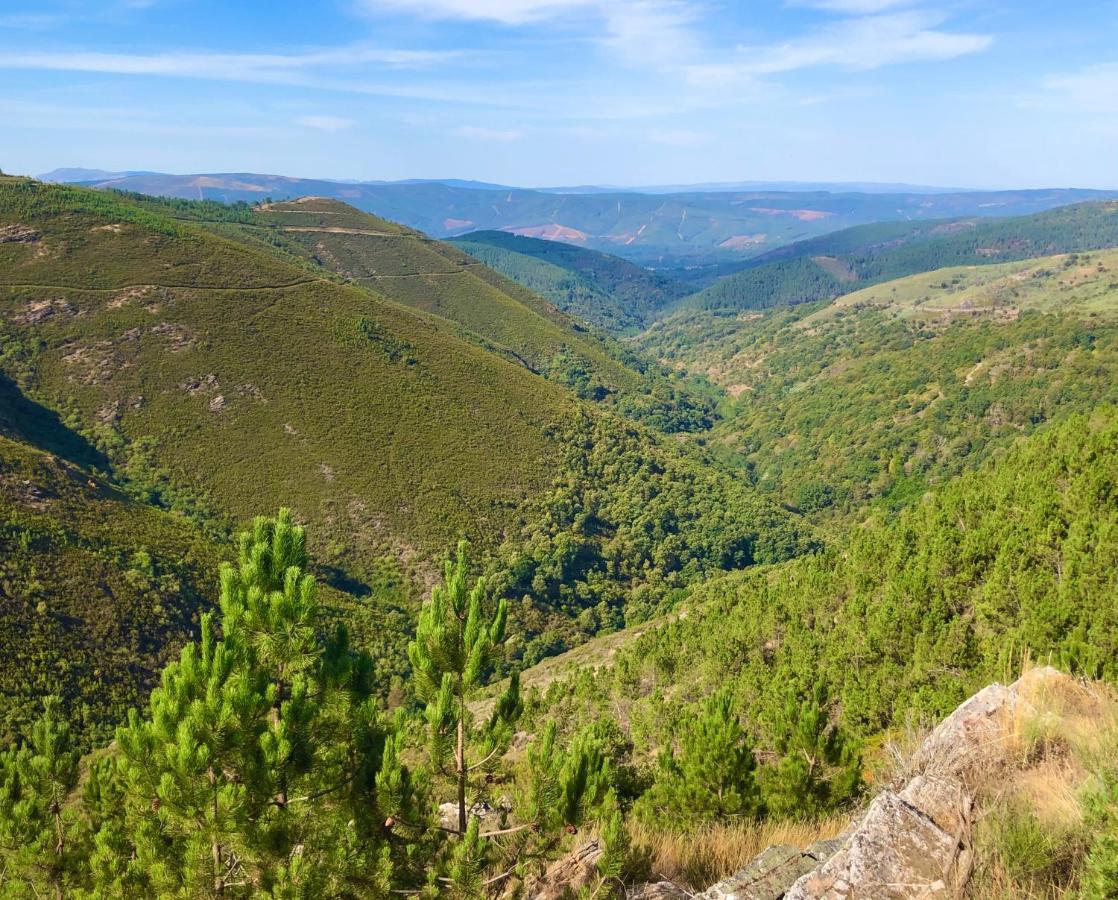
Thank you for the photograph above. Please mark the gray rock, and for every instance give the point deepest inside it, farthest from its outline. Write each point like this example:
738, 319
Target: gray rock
766, 878
896, 852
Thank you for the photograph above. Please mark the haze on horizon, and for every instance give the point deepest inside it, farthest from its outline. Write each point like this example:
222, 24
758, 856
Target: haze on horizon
548, 92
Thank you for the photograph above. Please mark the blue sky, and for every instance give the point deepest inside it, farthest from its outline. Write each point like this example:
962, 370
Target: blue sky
975, 93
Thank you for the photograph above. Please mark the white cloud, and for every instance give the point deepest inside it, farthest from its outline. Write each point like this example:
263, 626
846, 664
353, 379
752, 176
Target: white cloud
862, 43
645, 29
264, 67
477, 133
507, 12
1092, 89
325, 123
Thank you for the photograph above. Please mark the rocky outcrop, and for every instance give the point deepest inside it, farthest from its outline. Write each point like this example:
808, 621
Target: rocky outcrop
913, 841
566, 876
916, 842
769, 876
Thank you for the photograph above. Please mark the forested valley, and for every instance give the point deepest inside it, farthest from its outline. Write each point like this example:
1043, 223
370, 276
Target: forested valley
340, 561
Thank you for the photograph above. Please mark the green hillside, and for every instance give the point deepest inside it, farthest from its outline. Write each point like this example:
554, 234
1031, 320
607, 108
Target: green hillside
885, 392
376, 421
905, 617
414, 270
326, 237
215, 374
97, 592
848, 260
605, 290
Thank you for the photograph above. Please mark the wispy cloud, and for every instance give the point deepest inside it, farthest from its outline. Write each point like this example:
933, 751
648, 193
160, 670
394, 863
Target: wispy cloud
325, 123
507, 12
259, 67
854, 7
499, 135
860, 43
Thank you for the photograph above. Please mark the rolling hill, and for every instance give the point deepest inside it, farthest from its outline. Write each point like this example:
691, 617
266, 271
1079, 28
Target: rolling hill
845, 261
437, 278
605, 290
194, 359
668, 231
878, 395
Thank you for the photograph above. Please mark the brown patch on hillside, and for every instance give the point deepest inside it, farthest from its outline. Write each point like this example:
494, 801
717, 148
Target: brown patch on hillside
835, 267
553, 232
742, 241
803, 215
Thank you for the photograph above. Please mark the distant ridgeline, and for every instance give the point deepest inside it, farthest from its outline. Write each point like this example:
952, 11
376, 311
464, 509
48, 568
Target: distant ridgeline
846, 261
694, 233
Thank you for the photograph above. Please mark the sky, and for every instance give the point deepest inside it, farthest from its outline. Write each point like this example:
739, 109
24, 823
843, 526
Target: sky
965, 93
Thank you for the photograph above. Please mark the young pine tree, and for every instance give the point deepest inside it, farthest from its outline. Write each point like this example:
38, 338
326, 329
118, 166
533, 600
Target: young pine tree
817, 769
712, 778
257, 769
451, 657
40, 836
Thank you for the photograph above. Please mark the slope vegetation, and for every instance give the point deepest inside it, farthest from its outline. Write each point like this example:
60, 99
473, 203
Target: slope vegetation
1016, 558
849, 260
605, 290
97, 591
209, 368
251, 382
892, 389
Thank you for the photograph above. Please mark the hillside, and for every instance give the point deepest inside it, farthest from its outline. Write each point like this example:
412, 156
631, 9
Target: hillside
846, 261
605, 290
162, 338
327, 237
97, 592
213, 373
1015, 558
887, 391
415, 271
673, 230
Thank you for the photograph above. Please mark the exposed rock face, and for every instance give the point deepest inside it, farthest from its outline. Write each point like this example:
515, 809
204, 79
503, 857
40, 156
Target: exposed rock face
913, 841
770, 875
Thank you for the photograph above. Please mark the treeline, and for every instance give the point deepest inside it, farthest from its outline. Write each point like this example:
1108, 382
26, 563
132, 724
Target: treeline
609, 292
871, 254
627, 525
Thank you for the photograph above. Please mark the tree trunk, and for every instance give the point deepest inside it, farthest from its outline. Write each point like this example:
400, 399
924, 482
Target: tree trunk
460, 771
215, 844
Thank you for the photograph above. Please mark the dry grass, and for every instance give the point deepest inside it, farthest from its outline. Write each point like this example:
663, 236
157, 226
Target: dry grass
698, 859
1031, 836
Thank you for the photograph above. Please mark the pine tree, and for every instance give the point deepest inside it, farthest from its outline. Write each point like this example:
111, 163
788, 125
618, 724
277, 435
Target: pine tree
256, 770
451, 657
712, 777
40, 836
817, 768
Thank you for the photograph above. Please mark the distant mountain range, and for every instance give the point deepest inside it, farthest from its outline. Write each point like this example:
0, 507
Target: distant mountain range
694, 228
